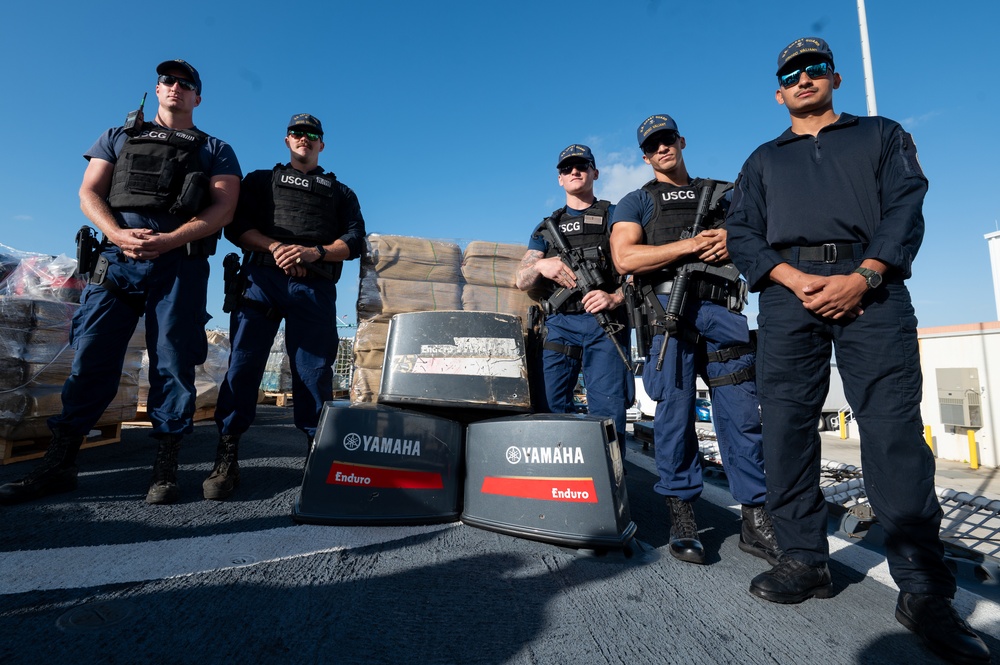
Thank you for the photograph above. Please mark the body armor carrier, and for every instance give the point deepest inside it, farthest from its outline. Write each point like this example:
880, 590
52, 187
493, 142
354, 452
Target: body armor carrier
589, 232
160, 169
305, 207
674, 210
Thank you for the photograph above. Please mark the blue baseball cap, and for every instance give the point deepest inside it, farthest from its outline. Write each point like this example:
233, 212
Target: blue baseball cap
804, 46
307, 121
576, 151
653, 124
167, 65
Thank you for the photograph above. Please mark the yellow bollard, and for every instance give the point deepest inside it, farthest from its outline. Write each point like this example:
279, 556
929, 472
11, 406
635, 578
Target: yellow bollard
843, 425
928, 438
973, 451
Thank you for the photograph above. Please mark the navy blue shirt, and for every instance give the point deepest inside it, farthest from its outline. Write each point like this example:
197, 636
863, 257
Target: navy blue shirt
857, 181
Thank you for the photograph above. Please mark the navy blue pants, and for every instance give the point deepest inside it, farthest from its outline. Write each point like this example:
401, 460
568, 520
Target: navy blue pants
879, 362
610, 390
309, 308
171, 293
735, 411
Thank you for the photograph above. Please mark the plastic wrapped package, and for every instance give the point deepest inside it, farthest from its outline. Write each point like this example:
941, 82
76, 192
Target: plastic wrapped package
365, 384
414, 259
277, 372
34, 348
477, 298
380, 299
40, 277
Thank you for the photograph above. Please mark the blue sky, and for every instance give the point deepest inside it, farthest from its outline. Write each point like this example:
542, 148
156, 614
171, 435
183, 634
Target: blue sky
446, 118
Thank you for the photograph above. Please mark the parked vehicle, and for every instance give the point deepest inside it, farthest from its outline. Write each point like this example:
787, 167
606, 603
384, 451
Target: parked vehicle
702, 410
835, 401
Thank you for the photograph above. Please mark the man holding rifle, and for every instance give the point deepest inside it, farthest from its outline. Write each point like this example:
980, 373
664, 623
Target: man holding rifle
584, 322
692, 297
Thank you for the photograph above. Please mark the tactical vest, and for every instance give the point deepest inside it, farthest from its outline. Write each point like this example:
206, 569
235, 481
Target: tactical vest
161, 170
589, 232
674, 211
305, 207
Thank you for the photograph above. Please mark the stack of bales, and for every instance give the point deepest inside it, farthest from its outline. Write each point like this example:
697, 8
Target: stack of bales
399, 274
490, 271
402, 274
35, 361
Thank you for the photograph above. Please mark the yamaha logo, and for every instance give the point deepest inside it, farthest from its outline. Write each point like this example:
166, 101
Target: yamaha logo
352, 441
513, 454
545, 455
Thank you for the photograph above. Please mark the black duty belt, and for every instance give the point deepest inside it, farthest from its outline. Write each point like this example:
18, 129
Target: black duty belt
828, 253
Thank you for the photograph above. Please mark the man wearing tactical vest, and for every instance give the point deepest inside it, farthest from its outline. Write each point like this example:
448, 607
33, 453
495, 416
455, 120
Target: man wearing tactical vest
573, 337
296, 224
650, 239
160, 192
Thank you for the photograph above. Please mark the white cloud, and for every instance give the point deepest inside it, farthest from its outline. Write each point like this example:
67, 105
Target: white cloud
619, 178
23, 218
916, 120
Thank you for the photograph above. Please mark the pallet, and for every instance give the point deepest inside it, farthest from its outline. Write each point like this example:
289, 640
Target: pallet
142, 418
281, 399
27, 449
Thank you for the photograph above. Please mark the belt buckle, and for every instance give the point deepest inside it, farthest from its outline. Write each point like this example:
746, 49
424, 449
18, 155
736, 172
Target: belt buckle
829, 253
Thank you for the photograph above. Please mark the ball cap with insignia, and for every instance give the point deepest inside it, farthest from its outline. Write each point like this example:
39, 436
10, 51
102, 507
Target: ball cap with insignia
167, 65
306, 120
804, 46
576, 151
654, 124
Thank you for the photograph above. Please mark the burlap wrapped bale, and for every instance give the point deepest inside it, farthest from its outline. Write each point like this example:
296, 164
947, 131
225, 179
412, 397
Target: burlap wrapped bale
496, 299
365, 384
370, 335
492, 263
414, 259
380, 299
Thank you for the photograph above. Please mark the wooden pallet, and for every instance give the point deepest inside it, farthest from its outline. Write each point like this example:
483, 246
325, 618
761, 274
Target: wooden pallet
26, 449
142, 418
281, 399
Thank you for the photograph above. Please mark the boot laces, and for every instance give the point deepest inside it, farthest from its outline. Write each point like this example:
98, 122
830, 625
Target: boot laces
682, 518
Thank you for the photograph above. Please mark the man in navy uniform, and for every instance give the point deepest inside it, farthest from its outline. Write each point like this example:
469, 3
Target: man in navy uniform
574, 339
161, 193
296, 224
825, 224
650, 240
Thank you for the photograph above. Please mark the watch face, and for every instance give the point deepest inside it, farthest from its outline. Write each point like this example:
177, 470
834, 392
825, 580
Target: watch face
875, 280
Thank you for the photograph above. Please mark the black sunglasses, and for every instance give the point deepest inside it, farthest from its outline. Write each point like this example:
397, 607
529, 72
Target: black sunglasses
582, 167
309, 135
168, 80
817, 71
662, 138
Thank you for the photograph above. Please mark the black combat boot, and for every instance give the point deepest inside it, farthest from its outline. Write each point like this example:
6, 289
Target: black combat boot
944, 632
757, 534
164, 486
684, 542
54, 475
226, 474
792, 581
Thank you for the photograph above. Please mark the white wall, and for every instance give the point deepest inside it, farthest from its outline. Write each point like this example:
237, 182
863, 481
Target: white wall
973, 345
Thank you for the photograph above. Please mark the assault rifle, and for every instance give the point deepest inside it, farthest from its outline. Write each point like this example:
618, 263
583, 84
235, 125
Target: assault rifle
585, 266
710, 192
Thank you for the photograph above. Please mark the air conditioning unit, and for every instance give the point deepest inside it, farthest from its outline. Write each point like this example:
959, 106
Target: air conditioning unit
958, 396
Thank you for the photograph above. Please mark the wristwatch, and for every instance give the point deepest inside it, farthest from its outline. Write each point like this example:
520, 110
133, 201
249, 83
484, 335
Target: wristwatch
322, 252
872, 278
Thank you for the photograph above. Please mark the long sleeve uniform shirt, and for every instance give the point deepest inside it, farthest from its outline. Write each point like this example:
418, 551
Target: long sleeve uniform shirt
857, 181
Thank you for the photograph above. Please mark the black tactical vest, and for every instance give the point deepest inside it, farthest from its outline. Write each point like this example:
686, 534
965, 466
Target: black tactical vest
674, 212
305, 207
161, 170
588, 232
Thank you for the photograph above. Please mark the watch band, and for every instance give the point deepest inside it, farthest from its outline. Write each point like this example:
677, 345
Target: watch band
872, 277
322, 252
